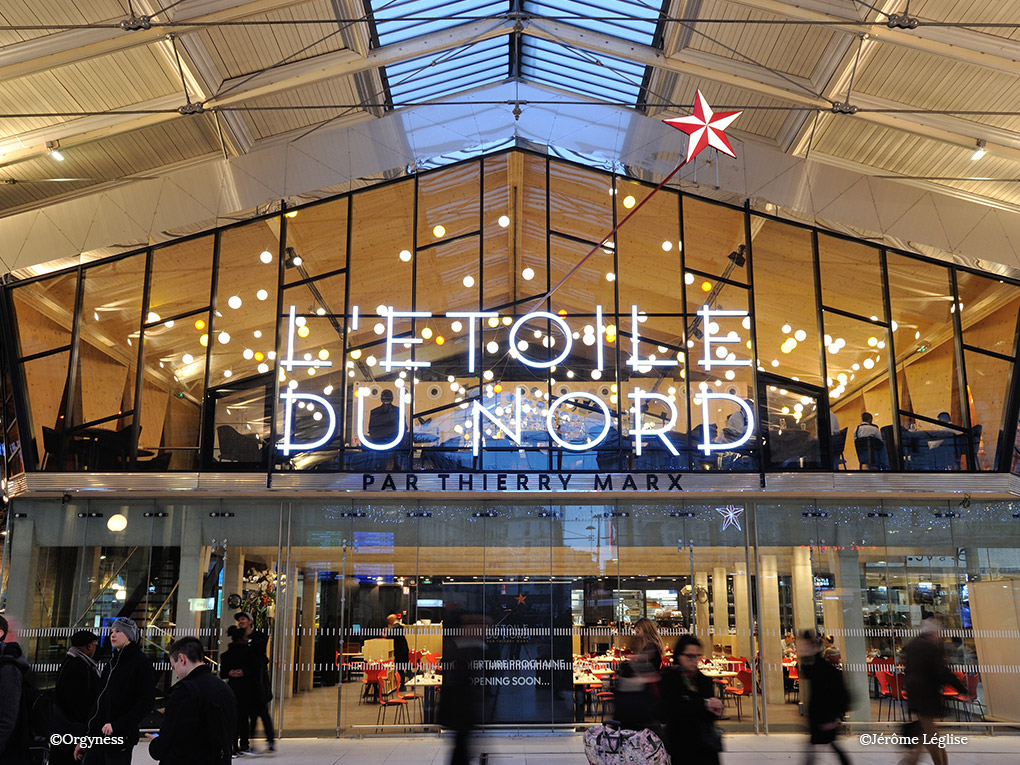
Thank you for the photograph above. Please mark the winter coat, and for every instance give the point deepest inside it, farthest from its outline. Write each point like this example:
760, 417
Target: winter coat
828, 699
127, 691
926, 673
14, 736
75, 693
682, 710
248, 687
199, 724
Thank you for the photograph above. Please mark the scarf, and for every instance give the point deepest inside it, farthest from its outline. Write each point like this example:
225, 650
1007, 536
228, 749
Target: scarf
80, 654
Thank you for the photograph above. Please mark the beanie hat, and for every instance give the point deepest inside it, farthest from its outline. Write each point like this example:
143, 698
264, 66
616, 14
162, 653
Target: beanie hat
127, 626
82, 638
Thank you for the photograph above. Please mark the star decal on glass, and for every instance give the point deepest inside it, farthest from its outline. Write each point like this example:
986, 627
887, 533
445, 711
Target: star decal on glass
520, 599
730, 516
705, 128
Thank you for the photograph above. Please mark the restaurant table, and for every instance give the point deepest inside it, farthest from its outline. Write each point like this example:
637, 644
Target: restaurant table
430, 685
582, 682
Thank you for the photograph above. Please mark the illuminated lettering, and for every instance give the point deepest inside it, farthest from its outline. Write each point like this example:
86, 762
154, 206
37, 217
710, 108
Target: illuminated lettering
477, 411
707, 446
558, 321
362, 394
640, 431
635, 359
471, 316
551, 425
390, 316
289, 397
707, 314
289, 363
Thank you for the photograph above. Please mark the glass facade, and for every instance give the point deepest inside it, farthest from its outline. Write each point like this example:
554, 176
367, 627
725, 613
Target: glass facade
476, 333
269, 345
559, 586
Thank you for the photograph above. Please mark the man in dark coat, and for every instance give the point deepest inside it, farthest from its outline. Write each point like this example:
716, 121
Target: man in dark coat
259, 701
127, 692
15, 736
241, 669
74, 697
401, 651
828, 699
688, 707
198, 727
926, 673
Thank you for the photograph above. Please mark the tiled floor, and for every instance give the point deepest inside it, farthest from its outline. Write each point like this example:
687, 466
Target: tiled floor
1001, 749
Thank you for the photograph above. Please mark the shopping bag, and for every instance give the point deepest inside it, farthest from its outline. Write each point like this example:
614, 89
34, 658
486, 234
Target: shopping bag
608, 746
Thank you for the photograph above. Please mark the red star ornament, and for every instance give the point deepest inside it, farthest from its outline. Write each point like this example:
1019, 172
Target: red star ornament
520, 599
705, 128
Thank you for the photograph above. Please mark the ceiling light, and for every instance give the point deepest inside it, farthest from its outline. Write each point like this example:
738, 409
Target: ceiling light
234, 302
469, 281
979, 152
438, 231
405, 255
504, 221
54, 151
528, 274
262, 294
266, 256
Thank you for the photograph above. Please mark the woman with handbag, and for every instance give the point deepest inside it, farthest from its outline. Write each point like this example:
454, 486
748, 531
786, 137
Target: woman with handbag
688, 708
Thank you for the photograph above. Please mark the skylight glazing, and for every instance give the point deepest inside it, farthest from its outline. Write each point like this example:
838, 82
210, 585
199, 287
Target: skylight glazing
560, 66
442, 74
399, 20
634, 21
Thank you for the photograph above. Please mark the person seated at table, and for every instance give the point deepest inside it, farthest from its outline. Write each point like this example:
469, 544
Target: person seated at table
736, 424
829, 651
789, 646
383, 426
870, 444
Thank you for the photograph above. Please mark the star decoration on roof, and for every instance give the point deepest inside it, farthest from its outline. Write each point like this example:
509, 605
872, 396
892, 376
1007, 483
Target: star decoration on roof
705, 128
520, 599
730, 516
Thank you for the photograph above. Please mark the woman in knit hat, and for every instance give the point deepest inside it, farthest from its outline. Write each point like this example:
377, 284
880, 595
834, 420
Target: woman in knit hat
127, 691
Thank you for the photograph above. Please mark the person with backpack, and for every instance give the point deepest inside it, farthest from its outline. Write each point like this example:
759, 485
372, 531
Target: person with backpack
828, 698
15, 732
199, 723
127, 691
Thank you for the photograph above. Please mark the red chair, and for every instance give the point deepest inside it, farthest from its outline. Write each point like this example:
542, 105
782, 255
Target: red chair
410, 697
744, 689
399, 704
890, 687
371, 677
971, 682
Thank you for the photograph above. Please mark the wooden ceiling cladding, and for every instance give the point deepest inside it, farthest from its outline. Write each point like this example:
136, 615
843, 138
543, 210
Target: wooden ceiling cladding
788, 48
48, 11
242, 50
962, 11
295, 114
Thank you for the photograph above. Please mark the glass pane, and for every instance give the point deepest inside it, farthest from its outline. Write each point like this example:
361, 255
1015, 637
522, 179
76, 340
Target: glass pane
987, 381
383, 224
843, 263
786, 329
43, 313
108, 347
649, 255
447, 279
580, 203
181, 275
792, 428
514, 188
713, 236
45, 388
590, 285
245, 319
317, 235
858, 382
448, 202
988, 313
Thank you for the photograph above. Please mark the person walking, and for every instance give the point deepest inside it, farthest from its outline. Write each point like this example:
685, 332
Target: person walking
828, 699
127, 691
15, 735
200, 720
74, 696
688, 707
241, 671
926, 674
401, 651
259, 700
652, 650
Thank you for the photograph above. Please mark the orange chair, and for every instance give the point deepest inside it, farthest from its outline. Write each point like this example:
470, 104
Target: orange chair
399, 704
371, 677
410, 697
739, 691
890, 687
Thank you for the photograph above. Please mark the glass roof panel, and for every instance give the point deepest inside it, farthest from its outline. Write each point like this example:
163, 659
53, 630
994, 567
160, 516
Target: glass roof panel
560, 66
398, 20
455, 70
630, 19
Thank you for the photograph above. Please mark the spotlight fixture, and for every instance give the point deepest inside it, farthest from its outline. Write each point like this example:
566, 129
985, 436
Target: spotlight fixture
53, 147
980, 151
738, 256
293, 260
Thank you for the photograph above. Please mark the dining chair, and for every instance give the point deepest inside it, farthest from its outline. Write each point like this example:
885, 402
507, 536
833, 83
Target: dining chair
744, 687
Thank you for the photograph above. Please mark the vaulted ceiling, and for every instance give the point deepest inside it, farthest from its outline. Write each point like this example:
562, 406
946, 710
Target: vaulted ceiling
128, 89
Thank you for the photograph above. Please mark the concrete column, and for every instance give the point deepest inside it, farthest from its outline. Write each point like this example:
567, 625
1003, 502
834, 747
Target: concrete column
771, 629
702, 627
742, 641
803, 591
847, 610
306, 659
194, 562
720, 608
21, 571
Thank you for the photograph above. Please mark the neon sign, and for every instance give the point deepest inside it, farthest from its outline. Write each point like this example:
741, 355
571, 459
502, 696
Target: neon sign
642, 431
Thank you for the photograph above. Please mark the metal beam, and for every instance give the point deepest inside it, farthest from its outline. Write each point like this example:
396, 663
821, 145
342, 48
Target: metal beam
77, 45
